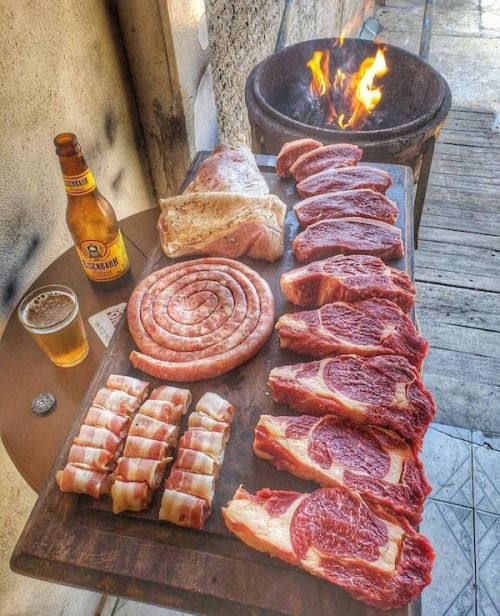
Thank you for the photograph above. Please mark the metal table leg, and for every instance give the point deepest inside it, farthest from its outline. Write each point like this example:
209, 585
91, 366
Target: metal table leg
422, 182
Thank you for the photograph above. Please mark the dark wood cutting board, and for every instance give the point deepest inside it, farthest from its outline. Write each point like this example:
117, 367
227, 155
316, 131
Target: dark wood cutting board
75, 540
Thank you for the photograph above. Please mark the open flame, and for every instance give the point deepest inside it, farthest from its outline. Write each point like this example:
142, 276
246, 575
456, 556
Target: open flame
350, 97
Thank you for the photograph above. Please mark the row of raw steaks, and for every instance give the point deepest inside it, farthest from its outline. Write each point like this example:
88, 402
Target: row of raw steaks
365, 407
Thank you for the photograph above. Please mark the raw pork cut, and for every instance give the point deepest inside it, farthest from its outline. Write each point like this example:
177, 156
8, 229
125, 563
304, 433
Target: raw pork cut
348, 236
383, 391
368, 327
349, 279
349, 178
333, 534
364, 203
229, 169
333, 156
291, 151
373, 462
222, 224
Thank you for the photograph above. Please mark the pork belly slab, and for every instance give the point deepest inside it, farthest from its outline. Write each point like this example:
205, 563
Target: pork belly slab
222, 224
349, 279
375, 463
368, 327
384, 391
334, 534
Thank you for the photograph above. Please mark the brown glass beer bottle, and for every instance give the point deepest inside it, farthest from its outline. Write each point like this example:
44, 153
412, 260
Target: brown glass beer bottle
90, 217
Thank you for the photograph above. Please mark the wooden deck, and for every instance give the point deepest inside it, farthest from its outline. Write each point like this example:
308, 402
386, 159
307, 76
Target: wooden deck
458, 273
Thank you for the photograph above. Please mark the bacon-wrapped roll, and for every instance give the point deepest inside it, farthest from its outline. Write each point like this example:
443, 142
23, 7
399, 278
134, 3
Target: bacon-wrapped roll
216, 407
101, 418
130, 495
196, 462
116, 401
152, 428
101, 438
90, 457
202, 486
173, 394
183, 509
141, 469
130, 385
162, 410
211, 443
81, 480
198, 420
140, 447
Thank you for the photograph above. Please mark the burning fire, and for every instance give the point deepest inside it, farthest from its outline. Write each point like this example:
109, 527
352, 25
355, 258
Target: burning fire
351, 97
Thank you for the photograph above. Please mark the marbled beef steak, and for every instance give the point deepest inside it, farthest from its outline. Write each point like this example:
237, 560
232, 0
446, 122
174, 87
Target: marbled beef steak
348, 236
384, 391
334, 534
349, 178
368, 327
348, 279
364, 203
333, 451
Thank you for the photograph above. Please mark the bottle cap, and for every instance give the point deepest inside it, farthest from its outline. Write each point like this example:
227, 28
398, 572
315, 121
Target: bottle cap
43, 404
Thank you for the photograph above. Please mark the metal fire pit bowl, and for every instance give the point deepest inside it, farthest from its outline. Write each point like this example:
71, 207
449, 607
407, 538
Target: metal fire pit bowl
402, 129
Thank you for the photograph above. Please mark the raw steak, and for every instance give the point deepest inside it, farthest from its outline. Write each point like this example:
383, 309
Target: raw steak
334, 534
229, 169
291, 151
364, 203
348, 236
373, 462
349, 279
384, 391
370, 327
350, 178
328, 157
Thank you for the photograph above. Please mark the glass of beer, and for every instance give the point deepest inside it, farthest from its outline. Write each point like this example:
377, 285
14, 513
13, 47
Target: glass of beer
52, 316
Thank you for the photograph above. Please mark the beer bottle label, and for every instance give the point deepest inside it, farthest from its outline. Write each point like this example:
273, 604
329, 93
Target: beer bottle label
79, 184
103, 262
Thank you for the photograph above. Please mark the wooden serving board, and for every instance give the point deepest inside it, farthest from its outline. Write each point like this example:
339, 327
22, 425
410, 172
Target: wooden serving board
77, 541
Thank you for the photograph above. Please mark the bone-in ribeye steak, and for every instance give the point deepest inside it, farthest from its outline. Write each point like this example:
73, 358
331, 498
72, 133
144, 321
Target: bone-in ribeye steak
384, 391
333, 156
348, 236
364, 203
333, 451
349, 279
368, 327
334, 534
348, 178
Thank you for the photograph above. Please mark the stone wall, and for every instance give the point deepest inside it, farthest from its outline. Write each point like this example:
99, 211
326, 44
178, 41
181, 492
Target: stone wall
62, 70
242, 33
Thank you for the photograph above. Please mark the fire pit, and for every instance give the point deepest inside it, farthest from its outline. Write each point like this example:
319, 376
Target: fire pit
385, 99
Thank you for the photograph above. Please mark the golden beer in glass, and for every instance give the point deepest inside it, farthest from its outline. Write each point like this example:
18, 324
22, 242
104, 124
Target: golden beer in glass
52, 316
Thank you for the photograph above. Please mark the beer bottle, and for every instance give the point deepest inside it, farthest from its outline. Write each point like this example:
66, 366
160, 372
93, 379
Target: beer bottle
89, 216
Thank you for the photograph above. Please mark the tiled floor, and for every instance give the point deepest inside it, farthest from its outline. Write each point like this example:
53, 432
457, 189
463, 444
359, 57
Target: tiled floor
462, 521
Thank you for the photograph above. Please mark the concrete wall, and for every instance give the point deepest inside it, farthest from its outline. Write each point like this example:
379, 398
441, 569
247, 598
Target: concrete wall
243, 33
62, 70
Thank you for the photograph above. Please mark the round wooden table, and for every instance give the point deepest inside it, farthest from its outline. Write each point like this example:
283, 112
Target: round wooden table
32, 442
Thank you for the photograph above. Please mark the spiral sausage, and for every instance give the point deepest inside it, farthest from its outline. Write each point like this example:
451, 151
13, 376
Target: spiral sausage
199, 319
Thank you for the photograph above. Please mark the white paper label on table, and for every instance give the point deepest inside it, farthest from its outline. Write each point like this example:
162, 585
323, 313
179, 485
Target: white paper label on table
104, 322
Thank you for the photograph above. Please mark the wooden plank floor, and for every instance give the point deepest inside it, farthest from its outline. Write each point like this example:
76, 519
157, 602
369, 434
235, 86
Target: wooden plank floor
458, 273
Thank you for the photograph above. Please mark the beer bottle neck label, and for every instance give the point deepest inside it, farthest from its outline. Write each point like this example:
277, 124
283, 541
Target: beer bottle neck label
80, 184
103, 262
